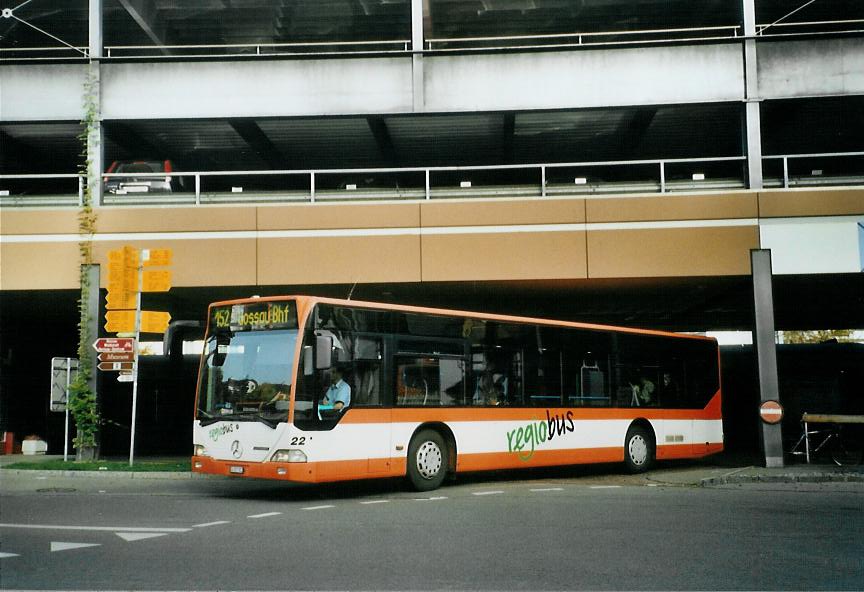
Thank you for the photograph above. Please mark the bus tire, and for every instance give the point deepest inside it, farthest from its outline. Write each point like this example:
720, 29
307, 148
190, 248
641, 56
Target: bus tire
638, 449
427, 460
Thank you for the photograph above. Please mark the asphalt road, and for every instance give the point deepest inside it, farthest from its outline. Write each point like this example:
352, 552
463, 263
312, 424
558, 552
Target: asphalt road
554, 531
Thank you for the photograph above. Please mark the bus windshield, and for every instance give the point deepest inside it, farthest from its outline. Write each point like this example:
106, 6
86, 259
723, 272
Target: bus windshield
248, 367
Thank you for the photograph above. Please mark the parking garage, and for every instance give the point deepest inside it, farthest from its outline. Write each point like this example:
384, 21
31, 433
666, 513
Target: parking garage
504, 116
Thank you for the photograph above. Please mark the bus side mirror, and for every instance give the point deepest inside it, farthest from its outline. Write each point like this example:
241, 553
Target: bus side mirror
324, 351
308, 361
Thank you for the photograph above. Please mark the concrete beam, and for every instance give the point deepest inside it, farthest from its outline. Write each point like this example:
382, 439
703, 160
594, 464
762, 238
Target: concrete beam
449, 83
378, 127
508, 132
136, 145
259, 142
143, 12
633, 129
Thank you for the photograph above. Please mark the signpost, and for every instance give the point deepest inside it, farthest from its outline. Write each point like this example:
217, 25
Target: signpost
62, 371
127, 279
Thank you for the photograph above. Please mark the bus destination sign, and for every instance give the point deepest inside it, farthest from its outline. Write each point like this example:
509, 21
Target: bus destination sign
254, 316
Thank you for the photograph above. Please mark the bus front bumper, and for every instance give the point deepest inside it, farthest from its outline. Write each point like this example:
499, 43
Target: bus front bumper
299, 472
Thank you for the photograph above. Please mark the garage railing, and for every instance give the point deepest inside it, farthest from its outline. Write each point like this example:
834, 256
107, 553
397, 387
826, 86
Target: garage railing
597, 179
573, 40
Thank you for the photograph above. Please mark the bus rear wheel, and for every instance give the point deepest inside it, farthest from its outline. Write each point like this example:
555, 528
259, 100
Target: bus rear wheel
427, 460
638, 450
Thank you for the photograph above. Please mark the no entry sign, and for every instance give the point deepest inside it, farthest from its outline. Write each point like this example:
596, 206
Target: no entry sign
771, 412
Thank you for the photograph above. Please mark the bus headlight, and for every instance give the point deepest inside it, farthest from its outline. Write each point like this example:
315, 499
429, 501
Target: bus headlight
199, 451
290, 456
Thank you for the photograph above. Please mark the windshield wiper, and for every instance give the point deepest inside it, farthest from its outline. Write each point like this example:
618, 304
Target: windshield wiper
252, 416
208, 418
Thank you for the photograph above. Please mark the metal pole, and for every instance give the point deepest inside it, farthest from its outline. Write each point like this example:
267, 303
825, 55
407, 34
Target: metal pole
662, 177
66, 426
807, 441
135, 349
766, 351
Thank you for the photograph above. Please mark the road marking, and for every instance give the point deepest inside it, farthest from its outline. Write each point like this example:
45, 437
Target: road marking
430, 499
375, 502
96, 528
652, 485
318, 507
486, 492
5, 555
206, 524
605, 487
265, 515
139, 536
547, 489
58, 546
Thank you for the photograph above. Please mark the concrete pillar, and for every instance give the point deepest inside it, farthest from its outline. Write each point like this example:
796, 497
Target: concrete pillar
753, 127
766, 352
95, 138
92, 272
417, 55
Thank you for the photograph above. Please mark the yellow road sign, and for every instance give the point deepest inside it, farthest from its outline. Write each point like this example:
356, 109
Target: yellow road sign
120, 321
156, 281
159, 258
121, 300
154, 321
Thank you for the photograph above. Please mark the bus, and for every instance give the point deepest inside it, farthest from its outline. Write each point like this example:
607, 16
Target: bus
311, 390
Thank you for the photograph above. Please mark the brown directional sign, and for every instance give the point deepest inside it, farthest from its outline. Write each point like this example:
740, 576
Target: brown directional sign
116, 357
115, 366
114, 344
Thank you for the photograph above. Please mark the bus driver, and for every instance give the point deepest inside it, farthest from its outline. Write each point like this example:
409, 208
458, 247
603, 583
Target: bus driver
339, 393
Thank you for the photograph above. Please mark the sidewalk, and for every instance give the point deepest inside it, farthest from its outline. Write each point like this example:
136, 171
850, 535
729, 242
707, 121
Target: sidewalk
714, 472
710, 475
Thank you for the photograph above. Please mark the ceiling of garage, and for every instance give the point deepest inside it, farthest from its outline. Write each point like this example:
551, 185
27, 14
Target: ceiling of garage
186, 22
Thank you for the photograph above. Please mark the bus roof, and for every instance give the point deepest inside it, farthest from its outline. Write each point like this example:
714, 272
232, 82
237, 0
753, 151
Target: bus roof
312, 300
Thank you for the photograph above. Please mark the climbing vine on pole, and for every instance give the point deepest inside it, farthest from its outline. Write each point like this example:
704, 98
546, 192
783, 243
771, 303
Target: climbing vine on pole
82, 400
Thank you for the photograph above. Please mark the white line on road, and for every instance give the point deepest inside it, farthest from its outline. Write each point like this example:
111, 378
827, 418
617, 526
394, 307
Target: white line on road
375, 502
97, 528
140, 536
265, 515
59, 546
318, 507
5, 555
605, 487
547, 489
206, 524
486, 492
430, 499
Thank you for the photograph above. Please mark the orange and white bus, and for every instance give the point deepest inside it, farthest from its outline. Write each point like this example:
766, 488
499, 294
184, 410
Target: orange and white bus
311, 389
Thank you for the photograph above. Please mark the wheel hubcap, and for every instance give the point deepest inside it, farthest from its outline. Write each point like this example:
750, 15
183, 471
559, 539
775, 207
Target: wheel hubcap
638, 449
429, 460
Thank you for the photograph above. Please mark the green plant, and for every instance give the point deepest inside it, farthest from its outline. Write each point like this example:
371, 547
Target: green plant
82, 400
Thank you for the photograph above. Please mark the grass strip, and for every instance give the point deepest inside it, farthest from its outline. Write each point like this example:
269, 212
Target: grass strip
111, 465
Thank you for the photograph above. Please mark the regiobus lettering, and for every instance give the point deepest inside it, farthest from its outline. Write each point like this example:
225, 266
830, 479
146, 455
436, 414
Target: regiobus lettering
537, 433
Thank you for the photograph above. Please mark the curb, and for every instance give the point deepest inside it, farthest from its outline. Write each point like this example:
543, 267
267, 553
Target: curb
733, 479
173, 475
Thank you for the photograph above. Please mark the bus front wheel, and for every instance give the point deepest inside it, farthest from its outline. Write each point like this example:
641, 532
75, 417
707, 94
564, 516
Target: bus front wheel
427, 460
638, 449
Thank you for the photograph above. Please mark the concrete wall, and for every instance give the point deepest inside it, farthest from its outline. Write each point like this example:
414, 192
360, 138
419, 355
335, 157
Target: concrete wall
450, 83
503, 239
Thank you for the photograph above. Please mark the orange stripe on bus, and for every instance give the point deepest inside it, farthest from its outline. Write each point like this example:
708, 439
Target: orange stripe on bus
359, 415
